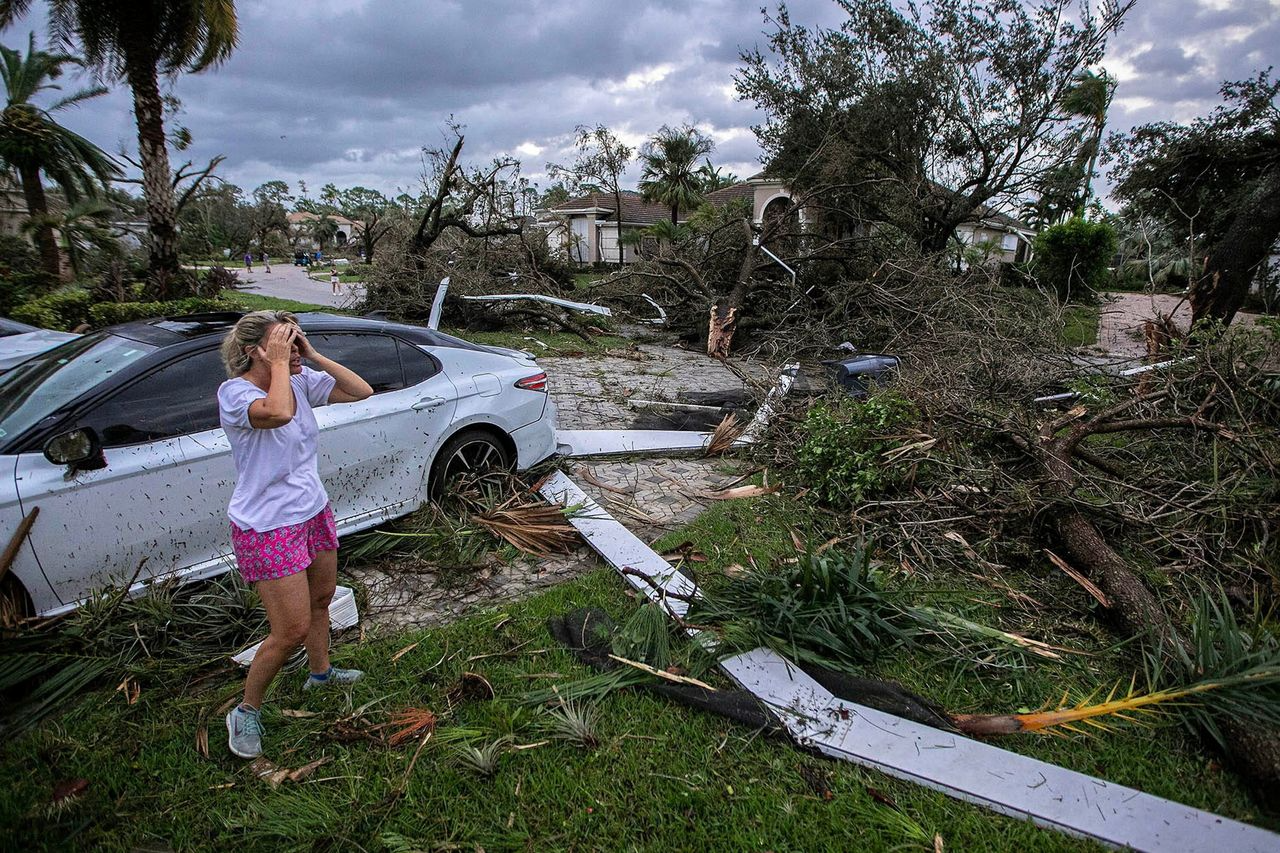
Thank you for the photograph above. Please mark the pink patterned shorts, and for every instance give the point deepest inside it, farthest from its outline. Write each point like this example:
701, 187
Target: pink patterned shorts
284, 551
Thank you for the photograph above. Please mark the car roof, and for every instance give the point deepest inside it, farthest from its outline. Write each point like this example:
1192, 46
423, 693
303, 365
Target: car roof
167, 331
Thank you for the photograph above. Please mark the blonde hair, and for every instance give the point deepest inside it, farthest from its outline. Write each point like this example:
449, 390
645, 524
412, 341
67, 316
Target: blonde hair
249, 331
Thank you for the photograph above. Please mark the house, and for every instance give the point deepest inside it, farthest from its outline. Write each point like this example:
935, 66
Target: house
300, 224
586, 228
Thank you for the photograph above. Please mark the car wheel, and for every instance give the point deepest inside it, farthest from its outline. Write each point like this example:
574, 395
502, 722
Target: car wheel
472, 453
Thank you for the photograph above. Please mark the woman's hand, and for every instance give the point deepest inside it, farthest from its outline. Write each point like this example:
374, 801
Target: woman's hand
279, 344
304, 346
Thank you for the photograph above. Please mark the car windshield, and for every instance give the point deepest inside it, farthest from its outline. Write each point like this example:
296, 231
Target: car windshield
42, 385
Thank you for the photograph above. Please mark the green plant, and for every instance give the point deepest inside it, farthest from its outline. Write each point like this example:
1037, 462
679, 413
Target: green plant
843, 456
830, 609
63, 309
111, 313
1073, 258
481, 760
573, 722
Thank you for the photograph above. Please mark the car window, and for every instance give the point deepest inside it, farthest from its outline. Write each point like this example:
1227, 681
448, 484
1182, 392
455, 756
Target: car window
177, 399
48, 382
374, 357
418, 366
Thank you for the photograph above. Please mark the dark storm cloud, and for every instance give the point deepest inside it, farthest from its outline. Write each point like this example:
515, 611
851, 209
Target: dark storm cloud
349, 91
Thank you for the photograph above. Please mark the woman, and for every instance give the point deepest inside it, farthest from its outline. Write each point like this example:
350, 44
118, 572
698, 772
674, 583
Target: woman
282, 528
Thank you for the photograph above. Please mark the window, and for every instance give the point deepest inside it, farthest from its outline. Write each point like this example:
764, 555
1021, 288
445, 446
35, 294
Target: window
375, 358
418, 366
177, 399
1009, 242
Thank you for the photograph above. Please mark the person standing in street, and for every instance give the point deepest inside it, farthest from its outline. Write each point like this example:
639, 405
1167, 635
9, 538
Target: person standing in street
248, 261
282, 527
335, 283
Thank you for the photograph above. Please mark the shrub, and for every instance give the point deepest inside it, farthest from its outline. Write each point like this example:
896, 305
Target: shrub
63, 310
21, 278
841, 456
1072, 258
111, 313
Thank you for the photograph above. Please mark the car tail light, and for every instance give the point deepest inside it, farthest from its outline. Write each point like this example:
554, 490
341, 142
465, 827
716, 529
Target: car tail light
536, 382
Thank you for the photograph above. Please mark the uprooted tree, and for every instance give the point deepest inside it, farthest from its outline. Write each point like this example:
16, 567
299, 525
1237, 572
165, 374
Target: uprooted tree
919, 119
1216, 183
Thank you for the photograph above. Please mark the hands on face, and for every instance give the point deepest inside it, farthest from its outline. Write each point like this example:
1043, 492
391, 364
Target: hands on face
279, 343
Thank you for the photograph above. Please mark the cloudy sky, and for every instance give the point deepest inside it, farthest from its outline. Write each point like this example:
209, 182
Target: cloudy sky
349, 91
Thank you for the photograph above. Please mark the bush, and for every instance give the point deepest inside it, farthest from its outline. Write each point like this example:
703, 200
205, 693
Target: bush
111, 313
63, 310
841, 456
1073, 258
21, 278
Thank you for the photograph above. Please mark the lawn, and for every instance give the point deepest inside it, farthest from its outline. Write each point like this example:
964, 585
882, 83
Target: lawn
1080, 325
661, 777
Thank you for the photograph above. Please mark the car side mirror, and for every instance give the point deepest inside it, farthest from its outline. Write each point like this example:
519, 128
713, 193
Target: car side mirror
79, 448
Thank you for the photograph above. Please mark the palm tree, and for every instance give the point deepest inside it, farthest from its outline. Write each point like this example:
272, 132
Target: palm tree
1089, 97
85, 224
36, 146
670, 175
137, 41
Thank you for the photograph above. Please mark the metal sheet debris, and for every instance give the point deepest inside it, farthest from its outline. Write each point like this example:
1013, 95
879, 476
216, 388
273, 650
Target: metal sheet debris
766, 411
437, 304
585, 307
619, 546
343, 613
1003, 781
618, 442
970, 770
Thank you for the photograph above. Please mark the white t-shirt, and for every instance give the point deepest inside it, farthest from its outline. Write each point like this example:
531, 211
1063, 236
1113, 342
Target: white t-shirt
277, 482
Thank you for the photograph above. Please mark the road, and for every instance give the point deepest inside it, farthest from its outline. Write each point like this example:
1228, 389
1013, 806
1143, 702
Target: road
286, 281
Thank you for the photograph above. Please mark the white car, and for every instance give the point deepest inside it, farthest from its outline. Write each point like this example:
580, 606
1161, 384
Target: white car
114, 438
19, 342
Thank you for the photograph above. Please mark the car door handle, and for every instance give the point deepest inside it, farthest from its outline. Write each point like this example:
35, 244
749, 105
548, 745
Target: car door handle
427, 403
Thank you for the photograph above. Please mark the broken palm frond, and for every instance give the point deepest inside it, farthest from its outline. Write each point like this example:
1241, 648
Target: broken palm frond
724, 436
429, 532
1243, 663
953, 622
527, 523
118, 640
1086, 584
591, 688
829, 609
1133, 702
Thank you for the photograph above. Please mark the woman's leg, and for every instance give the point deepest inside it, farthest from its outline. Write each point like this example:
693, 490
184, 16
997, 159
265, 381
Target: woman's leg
322, 578
288, 604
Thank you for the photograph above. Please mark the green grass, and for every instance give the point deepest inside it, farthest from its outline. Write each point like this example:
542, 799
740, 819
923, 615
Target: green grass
663, 776
1080, 325
557, 343
345, 275
257, 302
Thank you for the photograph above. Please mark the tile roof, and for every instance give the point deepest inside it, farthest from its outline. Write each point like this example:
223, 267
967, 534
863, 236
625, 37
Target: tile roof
732, 193
635, 210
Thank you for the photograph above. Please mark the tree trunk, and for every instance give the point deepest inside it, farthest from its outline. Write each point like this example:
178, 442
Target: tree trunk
617, 206
38, 206
157, 186
1253, 747
1230, 266
724, 313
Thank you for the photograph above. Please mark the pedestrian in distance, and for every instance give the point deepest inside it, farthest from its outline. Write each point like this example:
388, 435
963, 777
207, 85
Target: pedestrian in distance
335, 283
266, 261
248, 262
282, 527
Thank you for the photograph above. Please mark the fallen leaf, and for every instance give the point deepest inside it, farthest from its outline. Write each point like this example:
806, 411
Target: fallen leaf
736, 570
202, 739
296, 714
882, 798
403, 652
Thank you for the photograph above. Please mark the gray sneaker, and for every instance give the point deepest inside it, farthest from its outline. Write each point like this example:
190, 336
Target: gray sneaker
244, 732
334, 676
